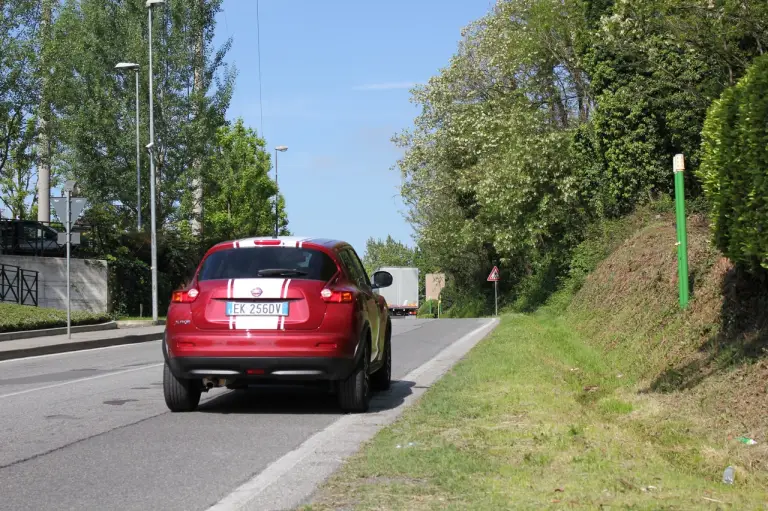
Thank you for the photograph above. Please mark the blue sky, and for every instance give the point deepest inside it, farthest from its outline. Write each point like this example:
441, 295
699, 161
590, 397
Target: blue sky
335, 88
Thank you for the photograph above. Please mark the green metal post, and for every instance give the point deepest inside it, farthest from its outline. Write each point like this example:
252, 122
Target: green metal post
682, 236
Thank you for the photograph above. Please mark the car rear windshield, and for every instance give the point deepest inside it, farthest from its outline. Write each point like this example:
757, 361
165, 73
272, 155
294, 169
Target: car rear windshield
268, 262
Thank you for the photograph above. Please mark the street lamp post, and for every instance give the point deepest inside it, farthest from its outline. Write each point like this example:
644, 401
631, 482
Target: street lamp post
135, 67
150, 147
282, 149
69, 188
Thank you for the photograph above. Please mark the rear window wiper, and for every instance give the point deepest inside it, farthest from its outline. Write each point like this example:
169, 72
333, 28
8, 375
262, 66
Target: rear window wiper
281, 272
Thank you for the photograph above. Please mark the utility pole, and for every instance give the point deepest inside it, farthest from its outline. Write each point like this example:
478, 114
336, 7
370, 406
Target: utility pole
150, 148
43, 140
282, 149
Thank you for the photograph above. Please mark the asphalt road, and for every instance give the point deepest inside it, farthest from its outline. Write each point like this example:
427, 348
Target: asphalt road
90, 430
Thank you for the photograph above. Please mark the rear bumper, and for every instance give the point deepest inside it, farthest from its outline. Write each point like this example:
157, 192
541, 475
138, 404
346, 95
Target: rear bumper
258, 369
262, 356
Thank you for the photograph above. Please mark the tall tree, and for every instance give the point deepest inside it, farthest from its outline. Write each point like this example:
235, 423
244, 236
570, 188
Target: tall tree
238, 187
489, 171
189, 112
655, 67
19, 25
199, 89
97, 103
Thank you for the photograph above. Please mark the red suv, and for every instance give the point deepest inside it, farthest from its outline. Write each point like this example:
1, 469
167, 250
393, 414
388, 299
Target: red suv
278, 309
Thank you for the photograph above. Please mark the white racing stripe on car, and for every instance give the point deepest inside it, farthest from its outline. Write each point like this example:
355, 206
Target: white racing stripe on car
284, 295
270, 289
229, 295
295, 242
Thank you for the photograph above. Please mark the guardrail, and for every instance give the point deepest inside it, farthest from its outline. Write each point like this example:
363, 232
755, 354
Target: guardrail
18, 285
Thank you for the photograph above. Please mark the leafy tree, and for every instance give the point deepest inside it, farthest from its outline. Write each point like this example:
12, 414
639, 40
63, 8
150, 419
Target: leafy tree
489, 168
19, 23
238, 188
655, 66
555, 113
96, 103
389, 252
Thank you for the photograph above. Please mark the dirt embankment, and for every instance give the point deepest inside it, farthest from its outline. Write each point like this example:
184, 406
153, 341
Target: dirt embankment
711, 358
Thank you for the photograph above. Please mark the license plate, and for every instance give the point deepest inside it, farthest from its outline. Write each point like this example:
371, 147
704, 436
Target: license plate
257, 309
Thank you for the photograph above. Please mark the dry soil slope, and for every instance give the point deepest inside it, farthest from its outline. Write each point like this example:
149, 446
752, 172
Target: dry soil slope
710, 359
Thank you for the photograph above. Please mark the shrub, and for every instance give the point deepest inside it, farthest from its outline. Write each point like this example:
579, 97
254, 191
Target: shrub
734, 166
14, 318
428, 309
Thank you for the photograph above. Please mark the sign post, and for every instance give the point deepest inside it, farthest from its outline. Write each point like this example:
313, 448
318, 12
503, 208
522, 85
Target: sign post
678, 167
435, 283
494, 277
66, 209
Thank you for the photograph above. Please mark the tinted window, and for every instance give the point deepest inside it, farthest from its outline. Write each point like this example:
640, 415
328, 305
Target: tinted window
359, 267
30, 232
356, 271
264, 262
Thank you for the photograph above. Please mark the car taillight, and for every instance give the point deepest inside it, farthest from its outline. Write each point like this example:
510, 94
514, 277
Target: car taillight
188, 296
330, 296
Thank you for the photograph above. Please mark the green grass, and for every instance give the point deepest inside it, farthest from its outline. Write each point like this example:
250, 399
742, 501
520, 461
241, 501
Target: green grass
534, 418
15, 318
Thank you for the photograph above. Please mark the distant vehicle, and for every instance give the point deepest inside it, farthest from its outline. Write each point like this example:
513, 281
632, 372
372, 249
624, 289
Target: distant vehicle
265, 310
28, 237
403, 295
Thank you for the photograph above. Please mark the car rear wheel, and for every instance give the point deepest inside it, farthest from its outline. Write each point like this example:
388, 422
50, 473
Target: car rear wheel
354, 391
382, 379
180, 395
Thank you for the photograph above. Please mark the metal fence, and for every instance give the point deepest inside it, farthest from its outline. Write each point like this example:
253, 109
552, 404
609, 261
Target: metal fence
18, 285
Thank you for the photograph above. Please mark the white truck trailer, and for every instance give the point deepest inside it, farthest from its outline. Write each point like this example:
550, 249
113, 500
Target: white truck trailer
403, 295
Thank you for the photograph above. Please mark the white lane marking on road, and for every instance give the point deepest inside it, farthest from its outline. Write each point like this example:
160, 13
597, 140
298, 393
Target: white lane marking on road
290, 480
80, 380
77, 352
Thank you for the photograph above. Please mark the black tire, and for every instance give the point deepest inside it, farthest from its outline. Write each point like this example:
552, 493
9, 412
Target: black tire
355, 391
180, 395
381, 380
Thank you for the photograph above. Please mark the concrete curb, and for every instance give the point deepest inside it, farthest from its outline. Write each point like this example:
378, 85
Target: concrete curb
80, 345
48, 332
139, 323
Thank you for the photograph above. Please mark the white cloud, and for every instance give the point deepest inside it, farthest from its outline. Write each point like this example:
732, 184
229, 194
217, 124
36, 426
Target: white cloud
387, 86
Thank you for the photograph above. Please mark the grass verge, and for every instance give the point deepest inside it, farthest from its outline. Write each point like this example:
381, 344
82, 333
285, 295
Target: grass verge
534, 418
16, 318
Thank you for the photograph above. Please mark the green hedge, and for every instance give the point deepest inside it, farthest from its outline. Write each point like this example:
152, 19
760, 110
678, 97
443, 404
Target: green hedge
734, 169
15, 318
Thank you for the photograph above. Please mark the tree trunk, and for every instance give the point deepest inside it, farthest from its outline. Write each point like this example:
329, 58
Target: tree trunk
43, 120
198, 92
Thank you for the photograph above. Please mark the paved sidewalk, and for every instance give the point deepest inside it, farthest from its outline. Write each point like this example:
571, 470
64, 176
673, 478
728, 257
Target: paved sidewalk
80, 341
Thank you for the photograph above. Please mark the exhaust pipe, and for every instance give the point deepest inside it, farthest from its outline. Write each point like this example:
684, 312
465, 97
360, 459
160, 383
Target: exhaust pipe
209, 383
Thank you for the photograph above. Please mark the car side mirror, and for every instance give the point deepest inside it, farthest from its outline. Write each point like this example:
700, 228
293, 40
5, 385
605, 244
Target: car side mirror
382, 279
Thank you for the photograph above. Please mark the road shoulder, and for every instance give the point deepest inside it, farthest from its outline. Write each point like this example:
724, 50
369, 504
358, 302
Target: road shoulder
291, 480
22, 348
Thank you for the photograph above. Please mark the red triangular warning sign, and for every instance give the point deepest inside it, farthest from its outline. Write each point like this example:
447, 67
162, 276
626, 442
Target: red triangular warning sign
494, 276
